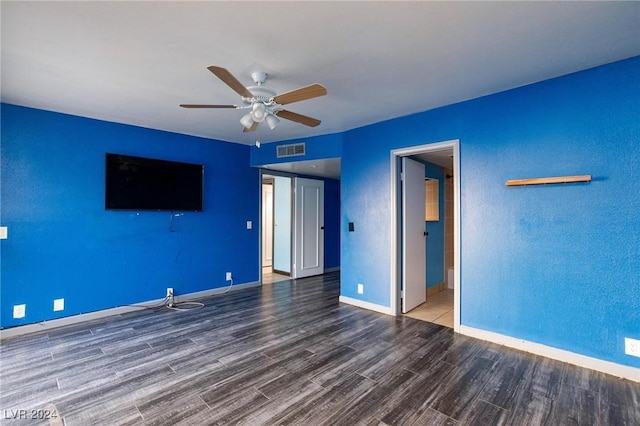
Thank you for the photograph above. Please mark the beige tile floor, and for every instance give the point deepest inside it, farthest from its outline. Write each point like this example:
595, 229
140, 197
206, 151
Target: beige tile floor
437, 309
270, 277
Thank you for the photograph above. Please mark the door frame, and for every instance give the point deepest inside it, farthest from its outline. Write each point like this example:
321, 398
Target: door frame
292, 176
270, 182
262, 172
396, 234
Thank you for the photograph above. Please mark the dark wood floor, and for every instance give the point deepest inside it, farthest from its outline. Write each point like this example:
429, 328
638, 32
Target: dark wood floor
289, 353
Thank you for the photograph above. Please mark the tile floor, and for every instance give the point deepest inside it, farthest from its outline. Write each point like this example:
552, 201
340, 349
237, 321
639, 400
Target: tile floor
270, 277
437, 309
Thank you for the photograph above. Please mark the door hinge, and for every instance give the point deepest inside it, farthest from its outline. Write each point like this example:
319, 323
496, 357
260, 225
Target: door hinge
401, 294
401, 176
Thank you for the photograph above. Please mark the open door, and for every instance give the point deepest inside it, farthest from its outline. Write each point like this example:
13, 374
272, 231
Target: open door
308, 228
267, 224
413, 235
282, 211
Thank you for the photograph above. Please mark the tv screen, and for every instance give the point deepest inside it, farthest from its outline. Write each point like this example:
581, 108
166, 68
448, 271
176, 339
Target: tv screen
136, 183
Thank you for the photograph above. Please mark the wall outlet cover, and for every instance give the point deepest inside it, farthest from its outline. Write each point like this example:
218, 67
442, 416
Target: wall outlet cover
4, 233
228, 276
360, 288
632, 347
19, 311
58, 305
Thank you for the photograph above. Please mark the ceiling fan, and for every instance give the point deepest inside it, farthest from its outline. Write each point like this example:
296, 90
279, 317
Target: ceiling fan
264, 104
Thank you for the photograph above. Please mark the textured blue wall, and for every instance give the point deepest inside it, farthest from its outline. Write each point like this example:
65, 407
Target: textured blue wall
556, 264
64, 244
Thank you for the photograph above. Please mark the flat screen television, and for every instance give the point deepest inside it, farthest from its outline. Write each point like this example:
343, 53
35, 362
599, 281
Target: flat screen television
136, 183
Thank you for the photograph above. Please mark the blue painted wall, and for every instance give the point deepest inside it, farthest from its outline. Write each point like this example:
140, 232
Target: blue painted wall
64, 244
557, 265
435, 239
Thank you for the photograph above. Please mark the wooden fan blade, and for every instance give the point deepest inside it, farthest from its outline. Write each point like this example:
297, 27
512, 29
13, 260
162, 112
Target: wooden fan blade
299, 118
230, 81
301, 94
253, 127
206, 106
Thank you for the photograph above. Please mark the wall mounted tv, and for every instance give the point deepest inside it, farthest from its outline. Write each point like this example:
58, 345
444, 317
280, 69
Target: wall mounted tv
136, 183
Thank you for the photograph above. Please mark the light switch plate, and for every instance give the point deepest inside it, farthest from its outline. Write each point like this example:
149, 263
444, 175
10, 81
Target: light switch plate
4, 233
249, 224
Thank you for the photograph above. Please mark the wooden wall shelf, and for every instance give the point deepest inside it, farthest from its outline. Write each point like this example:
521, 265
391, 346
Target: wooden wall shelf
548, 180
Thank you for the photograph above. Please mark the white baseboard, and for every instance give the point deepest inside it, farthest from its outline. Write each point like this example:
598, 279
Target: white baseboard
76, 319
214, 291
607, 367
366, 305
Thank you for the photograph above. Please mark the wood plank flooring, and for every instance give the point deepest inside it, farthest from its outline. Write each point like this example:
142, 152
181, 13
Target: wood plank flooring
290, 354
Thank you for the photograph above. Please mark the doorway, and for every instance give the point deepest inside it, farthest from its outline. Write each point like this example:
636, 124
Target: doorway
446, 155
292, 227
275, 226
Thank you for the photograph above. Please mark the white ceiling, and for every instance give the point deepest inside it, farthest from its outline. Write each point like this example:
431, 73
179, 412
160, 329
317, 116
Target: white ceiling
134, 62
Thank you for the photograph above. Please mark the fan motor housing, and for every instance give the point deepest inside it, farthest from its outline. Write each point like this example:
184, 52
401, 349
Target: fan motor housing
261, 94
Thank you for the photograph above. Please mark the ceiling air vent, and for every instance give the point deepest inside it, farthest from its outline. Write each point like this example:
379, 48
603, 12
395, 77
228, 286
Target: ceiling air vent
290, 150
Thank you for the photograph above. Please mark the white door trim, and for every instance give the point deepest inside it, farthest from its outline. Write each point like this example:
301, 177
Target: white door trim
395, 266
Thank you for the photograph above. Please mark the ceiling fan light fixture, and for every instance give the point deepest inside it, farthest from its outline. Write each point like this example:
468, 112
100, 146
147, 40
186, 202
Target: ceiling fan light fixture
247, 120
258, 113
272, 121
263, 102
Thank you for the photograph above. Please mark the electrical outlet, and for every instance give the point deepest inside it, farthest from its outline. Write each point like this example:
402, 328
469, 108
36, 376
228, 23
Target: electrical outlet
632, 347
58, 305
19, 311
360, 288
169, 291
228, 276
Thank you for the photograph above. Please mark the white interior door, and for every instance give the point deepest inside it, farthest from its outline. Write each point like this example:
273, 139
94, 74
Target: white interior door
282, 224
308, 228
413, 235
267, 225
